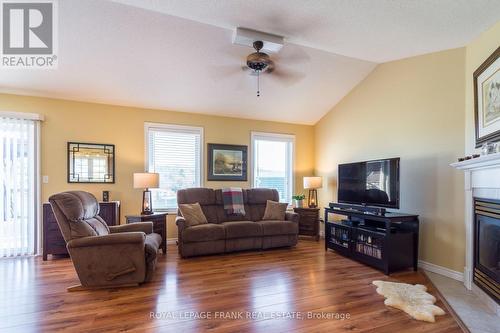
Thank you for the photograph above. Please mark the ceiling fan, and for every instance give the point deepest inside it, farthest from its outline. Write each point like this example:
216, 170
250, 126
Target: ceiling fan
259, 62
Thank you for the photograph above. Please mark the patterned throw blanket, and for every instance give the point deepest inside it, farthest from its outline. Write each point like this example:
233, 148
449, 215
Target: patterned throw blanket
232, 197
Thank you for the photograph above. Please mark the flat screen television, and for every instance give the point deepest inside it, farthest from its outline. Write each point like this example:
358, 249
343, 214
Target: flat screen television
370, 183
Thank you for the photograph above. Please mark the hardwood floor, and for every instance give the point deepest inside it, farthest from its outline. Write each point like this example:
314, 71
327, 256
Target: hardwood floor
268, 283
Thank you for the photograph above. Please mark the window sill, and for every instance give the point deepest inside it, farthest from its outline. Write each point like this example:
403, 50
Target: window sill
170, 211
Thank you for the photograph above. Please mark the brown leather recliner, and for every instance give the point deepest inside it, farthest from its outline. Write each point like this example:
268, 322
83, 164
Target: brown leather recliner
104, 256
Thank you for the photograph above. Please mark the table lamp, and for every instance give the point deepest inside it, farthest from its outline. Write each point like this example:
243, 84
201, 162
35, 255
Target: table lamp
146, 180
312, 184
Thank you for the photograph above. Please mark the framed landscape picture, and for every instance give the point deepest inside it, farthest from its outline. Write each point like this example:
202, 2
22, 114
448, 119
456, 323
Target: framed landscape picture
487, 100
227, 162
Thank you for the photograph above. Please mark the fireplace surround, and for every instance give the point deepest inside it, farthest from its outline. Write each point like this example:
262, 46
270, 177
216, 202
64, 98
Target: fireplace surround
482, 182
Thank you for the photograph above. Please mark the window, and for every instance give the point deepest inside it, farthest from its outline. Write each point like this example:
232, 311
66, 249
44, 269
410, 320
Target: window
175, 152
272, 163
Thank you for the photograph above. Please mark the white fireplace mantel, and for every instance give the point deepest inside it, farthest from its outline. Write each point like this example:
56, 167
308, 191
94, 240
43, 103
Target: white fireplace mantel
482, 180
492, 160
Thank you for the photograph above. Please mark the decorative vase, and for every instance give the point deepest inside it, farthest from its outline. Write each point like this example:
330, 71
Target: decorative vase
299, 203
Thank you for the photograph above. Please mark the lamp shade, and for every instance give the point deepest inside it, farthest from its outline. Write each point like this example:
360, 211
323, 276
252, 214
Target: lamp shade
146, 180
313, 182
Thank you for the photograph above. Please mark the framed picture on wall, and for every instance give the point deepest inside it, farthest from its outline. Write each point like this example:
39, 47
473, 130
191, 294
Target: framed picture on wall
227, 162
487, 100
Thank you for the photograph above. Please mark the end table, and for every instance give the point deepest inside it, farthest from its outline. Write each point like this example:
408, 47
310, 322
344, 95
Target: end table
308, 221
159, 225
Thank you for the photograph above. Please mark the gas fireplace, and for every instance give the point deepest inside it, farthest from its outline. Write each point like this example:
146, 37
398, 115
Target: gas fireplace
486, 272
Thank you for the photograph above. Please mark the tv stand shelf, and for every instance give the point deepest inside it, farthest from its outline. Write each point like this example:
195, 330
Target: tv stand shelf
388, 242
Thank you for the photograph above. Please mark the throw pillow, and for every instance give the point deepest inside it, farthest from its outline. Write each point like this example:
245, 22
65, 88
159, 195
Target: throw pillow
275, 210
193, 214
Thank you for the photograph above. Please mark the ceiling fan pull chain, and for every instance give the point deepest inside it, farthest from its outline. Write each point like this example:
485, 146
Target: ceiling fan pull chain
258, 83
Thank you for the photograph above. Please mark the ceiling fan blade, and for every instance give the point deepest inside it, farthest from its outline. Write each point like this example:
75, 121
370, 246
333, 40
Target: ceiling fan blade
287, 77
292, 54
271, 67
233, 74
221, 72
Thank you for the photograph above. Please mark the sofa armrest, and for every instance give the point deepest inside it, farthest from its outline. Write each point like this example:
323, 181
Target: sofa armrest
145, 227
99, 260
181, 225
111, 239
180, 222
291, 216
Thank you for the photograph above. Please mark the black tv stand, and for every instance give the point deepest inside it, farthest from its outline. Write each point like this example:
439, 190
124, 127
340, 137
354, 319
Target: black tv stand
388, 242
359, 208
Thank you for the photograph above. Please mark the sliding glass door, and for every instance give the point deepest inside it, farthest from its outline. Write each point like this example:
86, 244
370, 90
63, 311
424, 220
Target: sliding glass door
18, 186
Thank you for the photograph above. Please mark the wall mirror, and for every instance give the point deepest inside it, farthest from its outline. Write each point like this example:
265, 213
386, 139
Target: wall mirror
91, 163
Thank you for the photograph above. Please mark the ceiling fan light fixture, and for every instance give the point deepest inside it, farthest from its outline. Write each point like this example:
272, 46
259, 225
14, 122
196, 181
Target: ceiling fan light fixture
259, 62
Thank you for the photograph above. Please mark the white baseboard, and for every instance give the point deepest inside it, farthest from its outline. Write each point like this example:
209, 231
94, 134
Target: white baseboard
441, 270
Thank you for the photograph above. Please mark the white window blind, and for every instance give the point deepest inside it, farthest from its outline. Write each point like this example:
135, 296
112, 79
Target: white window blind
272, 162
175, 152
18, 186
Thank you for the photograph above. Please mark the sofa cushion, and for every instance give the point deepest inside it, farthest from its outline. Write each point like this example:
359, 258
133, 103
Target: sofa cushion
222, 216
275, 210
261, 195
210, 212
76, 205
242, 229
193, 214
271, 228
203, 196
80, 229
78, 214
203, 233
256, 211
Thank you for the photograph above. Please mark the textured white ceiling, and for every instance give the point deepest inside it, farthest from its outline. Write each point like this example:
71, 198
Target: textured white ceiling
373, 30
125, 55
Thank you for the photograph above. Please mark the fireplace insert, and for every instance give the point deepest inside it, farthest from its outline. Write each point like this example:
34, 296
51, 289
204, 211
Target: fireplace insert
487, 246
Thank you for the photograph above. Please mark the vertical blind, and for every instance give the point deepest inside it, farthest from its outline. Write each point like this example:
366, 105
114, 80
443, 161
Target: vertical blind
273, 163
175, 153
17, 187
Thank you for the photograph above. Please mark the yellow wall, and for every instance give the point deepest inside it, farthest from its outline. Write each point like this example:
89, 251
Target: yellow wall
476, 53
413, 109
416, 108
124, 126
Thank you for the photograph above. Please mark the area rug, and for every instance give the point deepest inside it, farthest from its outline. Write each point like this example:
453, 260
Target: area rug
412, 299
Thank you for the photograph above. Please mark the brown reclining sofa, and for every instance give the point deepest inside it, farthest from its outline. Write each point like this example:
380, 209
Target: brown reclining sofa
229, 233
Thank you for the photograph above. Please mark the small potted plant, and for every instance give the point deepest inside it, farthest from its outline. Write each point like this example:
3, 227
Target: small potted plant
299, 200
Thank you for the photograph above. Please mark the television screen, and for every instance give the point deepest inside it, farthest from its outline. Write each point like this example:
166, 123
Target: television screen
370, 183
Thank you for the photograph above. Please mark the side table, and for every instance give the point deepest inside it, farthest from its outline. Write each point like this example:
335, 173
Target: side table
308, 221
159, 225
